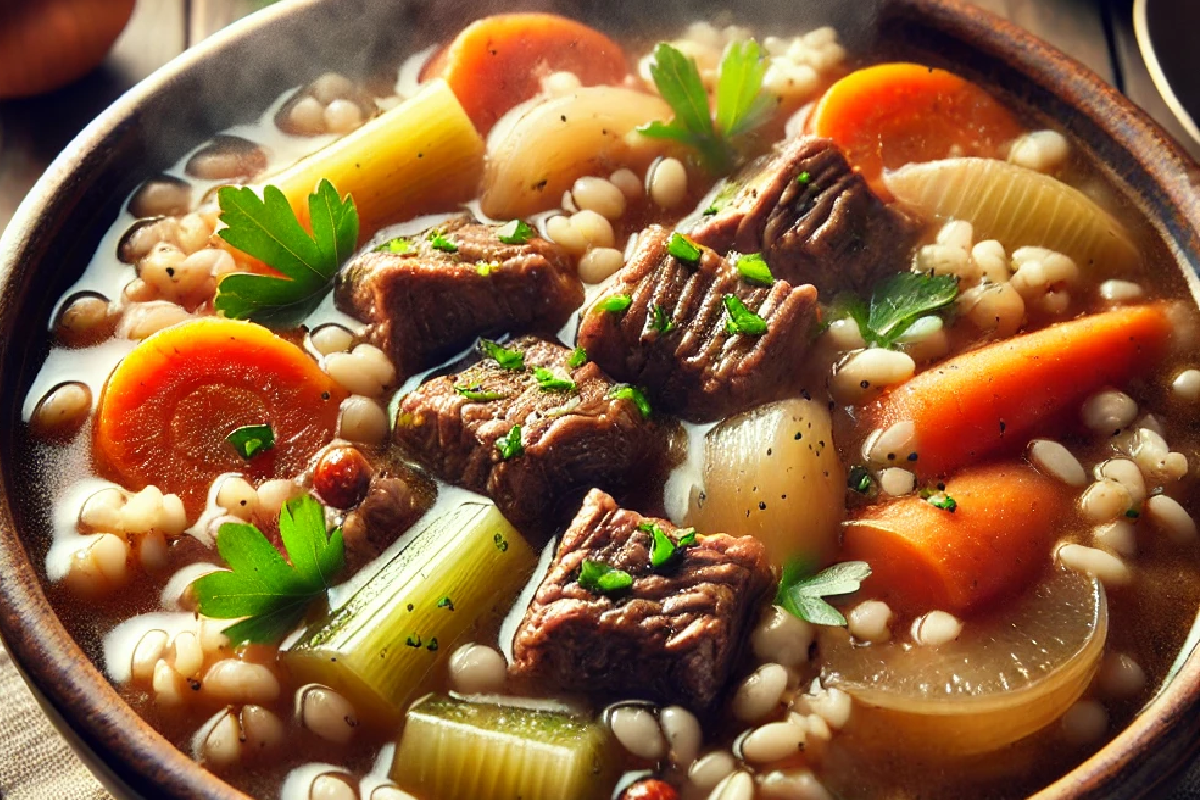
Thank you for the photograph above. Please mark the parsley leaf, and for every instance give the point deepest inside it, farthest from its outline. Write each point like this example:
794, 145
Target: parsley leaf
510, 445
859, 479
683, 248
263, 587
742, 319
896, 304
722, 197
516, 232
661, 322
741, 105
804, 179
802, 596
626, 392
578, 358
662, 549
598, 577
507, 357
945, 502
616, 303
400, 246
475, 393
250, 440
268, 230
549, 382
753, 268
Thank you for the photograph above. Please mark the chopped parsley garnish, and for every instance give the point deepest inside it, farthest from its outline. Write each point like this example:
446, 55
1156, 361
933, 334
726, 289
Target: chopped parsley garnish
662, 549
510, 445
741, 105
753, 267
742, 319
486, 268
859, 479
597, 577
250, 440
615, 303
578, 358
626, 392
661, 322
684, 248
516, 232
943, 501
439, 241
804, 179
723, 197
549, 382
896, 304
446, 603
802, 595
477, 394
400, 246
268, 230
507, 357
262, 586
1132, 513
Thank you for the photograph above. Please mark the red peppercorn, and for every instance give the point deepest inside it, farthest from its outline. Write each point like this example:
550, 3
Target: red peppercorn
342, 477
650, 789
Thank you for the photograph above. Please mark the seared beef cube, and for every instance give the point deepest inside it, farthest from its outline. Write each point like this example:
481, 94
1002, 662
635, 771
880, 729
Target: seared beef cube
532, 446
670, 637
673, 339
382, 494
425, 305
812, 217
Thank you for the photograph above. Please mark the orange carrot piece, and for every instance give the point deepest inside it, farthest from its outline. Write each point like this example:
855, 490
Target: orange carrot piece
889, 115
997, 539
499, 61
168, 407
981, 401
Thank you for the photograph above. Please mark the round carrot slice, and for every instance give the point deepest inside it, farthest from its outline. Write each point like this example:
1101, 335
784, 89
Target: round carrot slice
499, 61
169, 406
890, 115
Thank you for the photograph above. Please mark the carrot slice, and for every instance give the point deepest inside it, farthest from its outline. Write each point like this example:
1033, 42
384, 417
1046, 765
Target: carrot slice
168, 407
499, 61
979, 402
890, 115
996, 540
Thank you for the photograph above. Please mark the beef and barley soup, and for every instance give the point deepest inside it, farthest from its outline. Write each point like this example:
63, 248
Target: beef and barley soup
560, 418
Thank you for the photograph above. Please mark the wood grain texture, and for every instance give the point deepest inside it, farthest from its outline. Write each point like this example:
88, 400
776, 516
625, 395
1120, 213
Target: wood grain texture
1074, 26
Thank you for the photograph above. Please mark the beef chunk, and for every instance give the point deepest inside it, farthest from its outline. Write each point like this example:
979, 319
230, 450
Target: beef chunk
812, 217
383, 496
671, 637
424, 306
571, 439
696, 368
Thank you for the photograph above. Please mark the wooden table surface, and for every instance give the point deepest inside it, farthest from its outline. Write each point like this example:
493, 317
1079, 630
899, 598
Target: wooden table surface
1098, 33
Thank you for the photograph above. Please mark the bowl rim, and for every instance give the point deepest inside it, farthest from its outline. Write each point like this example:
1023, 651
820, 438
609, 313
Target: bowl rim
126, 751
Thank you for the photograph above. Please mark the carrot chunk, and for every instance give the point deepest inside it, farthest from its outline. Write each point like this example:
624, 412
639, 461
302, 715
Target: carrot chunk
997, 538
499, 61
979, 402
889, 115
168, 407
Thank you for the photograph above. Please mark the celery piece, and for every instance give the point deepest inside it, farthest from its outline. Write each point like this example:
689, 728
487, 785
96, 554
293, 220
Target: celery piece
499, 749
377, 648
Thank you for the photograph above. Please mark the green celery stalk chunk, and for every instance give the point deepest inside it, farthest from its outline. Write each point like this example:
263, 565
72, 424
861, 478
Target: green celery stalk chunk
499, 750
377, 648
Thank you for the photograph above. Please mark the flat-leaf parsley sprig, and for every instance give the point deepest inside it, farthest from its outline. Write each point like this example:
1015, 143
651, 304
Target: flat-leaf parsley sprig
802, 595
261, 585
267, 229
741, 105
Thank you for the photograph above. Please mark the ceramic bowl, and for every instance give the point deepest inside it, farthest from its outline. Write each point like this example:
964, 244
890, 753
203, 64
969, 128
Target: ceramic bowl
237, 73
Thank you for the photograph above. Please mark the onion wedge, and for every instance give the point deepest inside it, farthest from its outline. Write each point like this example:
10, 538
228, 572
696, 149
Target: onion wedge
1004, 678
1018, 207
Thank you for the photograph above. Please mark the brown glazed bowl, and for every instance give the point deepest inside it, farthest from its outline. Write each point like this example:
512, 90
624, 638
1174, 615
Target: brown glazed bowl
233, 76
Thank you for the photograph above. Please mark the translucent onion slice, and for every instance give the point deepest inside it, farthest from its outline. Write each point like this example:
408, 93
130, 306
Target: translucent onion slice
538, 150
1004, 678
1018, 207
773, 473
